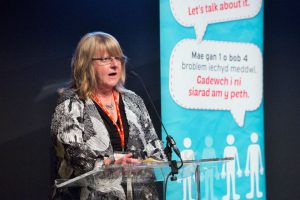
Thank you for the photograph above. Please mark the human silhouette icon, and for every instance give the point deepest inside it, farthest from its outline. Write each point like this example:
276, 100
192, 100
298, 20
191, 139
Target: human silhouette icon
254, 166
187, 154
228, 168
211, 170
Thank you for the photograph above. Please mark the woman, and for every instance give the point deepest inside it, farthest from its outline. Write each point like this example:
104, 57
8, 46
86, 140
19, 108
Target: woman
98, 117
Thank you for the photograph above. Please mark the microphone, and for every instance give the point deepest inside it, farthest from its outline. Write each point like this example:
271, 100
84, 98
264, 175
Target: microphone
170, 139
172, 143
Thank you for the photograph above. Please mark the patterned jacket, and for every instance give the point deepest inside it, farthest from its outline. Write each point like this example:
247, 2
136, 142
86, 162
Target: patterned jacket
81, 139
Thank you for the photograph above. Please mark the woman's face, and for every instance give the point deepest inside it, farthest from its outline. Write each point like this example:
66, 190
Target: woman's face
107, 70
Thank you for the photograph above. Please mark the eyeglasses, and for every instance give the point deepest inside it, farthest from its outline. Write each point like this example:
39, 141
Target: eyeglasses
109, 60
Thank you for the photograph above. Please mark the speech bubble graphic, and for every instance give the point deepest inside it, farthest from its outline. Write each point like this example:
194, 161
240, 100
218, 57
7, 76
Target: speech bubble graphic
200, 13
217, 75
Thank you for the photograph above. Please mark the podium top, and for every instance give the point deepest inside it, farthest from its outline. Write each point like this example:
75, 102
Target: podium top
138, 172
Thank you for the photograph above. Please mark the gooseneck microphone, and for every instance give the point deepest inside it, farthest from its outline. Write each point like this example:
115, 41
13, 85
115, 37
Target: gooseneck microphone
171, 144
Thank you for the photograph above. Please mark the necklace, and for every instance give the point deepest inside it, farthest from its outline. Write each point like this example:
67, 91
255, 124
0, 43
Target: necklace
109, 106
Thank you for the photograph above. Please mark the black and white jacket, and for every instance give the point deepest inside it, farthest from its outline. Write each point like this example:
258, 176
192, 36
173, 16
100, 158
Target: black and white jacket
81, 139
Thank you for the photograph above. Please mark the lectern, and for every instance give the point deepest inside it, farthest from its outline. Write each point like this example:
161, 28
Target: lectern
147, 172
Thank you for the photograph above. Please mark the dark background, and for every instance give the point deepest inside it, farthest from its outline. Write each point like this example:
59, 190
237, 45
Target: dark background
282, 98
37, 41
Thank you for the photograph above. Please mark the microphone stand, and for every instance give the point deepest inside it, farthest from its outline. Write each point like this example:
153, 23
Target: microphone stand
171, 144
172, 163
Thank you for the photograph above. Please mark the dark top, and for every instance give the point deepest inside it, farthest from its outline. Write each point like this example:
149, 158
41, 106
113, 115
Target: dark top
112, 130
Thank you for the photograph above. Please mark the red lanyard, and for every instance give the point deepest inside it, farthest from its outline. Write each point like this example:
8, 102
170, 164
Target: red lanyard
119, 128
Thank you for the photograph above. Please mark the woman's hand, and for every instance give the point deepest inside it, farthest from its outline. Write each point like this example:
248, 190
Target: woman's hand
127, 159
107, 162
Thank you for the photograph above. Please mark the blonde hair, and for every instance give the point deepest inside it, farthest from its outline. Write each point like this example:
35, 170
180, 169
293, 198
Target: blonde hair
83, 75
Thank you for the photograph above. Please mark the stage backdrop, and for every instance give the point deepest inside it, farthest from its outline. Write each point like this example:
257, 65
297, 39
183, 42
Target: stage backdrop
212, 92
